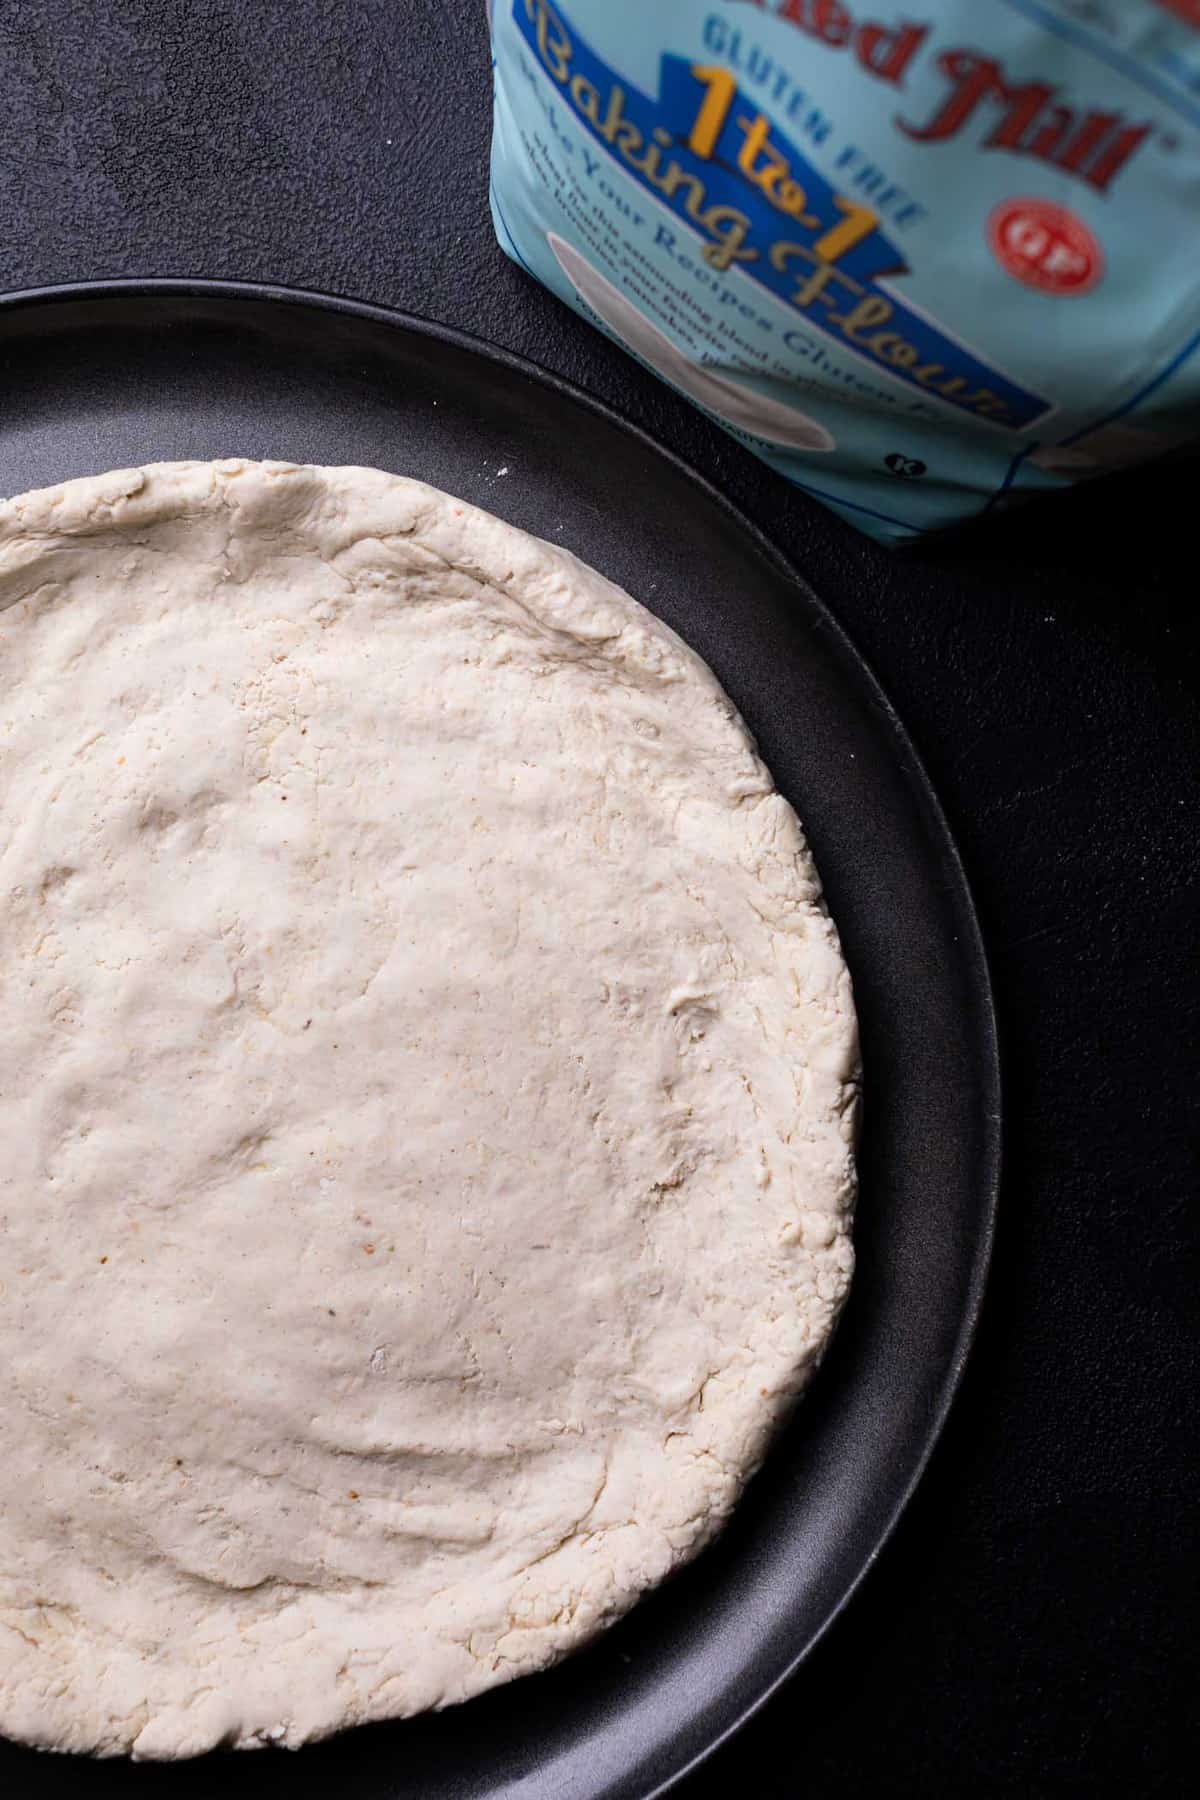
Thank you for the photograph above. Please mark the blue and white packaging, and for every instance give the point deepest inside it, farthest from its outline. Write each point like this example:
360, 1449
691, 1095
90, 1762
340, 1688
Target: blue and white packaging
919, 258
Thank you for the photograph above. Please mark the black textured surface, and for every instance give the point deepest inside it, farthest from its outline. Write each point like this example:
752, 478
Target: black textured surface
1027, 1630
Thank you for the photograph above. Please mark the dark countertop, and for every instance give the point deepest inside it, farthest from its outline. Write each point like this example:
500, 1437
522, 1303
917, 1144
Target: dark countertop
1025, 1633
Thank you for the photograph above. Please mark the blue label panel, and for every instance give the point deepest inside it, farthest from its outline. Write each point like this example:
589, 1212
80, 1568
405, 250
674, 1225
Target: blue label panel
704, 150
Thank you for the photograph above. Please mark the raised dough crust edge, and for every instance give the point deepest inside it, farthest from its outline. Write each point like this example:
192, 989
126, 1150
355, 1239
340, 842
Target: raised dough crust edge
152, 1651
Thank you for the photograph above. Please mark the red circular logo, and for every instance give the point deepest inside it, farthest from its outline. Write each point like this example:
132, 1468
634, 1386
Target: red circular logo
1045, 246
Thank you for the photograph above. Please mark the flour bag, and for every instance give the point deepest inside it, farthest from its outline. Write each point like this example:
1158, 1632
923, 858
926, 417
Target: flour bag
919, 258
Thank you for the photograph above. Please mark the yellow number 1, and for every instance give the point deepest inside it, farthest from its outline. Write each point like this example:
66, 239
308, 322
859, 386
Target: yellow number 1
714, 109
858, 223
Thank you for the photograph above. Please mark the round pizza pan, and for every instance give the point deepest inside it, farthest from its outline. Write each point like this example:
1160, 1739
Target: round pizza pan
111, 374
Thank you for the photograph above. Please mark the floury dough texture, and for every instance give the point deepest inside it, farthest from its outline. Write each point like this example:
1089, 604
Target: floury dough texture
427, 1089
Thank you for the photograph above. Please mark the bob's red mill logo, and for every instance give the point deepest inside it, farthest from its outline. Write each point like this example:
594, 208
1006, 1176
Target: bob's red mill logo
1030, 118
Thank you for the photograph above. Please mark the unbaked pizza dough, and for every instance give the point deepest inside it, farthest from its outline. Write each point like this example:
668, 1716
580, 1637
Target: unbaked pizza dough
427, 1089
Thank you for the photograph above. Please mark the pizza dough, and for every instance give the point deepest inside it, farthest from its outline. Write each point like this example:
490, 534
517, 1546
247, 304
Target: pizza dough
427, 1084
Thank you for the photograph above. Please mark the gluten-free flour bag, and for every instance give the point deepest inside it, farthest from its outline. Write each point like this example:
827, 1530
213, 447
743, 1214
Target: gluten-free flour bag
917, 257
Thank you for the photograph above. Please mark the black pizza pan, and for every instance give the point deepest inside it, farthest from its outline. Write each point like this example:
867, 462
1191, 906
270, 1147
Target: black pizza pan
112, 374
